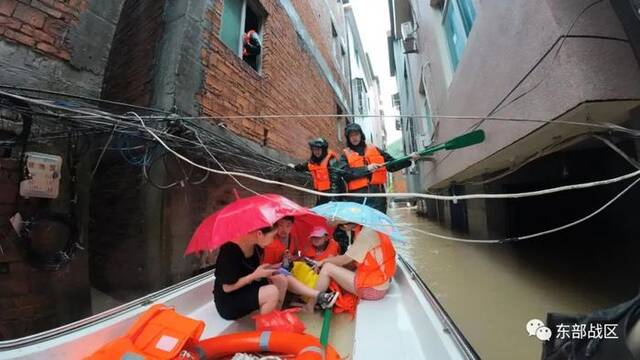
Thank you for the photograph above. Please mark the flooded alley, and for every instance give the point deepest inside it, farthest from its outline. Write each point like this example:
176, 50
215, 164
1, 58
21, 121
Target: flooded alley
491, 291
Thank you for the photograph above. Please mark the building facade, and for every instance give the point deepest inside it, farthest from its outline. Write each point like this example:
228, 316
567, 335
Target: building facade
135, 216
365, 86
459, 63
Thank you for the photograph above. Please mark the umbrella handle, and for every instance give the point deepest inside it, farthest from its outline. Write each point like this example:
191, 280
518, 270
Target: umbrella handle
236, 194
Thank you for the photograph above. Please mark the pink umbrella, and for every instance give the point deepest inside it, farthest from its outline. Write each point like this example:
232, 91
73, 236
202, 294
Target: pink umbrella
244, 216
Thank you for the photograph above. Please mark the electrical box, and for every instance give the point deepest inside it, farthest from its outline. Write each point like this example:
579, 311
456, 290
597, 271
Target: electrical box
42, 176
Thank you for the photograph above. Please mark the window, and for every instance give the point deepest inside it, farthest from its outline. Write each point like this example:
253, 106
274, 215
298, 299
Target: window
336, 42
428, 121
361, 97
458, 20
343, 63
395, 100
240, 18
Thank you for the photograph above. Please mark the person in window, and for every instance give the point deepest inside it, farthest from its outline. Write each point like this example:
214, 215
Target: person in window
362, 168
243, 285
251, 45
321, 165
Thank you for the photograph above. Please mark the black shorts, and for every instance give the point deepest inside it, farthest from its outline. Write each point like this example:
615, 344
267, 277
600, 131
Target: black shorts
239, 303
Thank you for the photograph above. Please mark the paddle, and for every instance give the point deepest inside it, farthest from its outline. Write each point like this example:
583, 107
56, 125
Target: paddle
324, 333
464, 140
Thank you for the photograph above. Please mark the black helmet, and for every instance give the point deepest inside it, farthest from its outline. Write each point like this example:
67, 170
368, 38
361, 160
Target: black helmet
319, 143
351, 128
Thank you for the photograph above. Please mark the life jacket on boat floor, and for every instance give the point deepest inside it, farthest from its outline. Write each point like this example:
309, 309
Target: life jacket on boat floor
159, 333
302, 346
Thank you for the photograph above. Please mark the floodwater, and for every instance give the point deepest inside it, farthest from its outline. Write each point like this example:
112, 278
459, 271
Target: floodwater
490, 292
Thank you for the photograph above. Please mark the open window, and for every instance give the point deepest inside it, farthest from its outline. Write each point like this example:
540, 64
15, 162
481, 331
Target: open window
241, 30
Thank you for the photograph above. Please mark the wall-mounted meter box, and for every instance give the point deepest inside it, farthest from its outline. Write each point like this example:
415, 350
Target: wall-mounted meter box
42, 176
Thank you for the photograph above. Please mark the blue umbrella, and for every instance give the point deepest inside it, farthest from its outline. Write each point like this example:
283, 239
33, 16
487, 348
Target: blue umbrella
346, 212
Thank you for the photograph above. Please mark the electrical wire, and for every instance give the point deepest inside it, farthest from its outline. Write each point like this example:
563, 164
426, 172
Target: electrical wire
156, 135
425, 196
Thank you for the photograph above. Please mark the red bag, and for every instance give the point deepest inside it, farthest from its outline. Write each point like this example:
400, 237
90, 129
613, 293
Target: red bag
285, 320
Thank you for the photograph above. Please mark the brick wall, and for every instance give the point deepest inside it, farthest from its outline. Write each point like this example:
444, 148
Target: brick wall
289, 83
129, 72
317, 17
40, 24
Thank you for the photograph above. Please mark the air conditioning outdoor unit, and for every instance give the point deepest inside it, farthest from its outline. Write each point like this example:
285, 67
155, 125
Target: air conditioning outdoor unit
409, 39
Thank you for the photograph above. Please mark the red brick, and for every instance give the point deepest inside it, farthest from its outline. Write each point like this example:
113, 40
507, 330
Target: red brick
47, 48
30, 15
11, 23
19, 37
64, 54
46, 9
27, 30
39, 35
7, 7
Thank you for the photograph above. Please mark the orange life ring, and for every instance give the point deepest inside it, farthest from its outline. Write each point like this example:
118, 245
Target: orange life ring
303, 346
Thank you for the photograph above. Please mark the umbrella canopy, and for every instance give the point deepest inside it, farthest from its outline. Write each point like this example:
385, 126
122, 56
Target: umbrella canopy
345, 212
244, 216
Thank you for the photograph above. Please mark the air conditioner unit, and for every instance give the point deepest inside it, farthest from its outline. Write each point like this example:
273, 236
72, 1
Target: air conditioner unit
409, 40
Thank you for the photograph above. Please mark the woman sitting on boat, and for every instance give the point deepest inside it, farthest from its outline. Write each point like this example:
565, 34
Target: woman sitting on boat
243, 285
375, 260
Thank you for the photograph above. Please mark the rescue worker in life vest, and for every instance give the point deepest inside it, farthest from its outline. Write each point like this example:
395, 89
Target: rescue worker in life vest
321, 165
361, 168
251, 45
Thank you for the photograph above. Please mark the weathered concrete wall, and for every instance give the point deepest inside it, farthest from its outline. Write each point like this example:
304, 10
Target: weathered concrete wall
56, 45
489, 69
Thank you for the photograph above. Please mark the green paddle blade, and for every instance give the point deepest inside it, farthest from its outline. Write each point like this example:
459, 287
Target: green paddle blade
468, 139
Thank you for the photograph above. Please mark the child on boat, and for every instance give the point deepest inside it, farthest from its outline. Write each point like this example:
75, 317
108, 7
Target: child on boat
321, 246
284, 247
375, 260
243, 285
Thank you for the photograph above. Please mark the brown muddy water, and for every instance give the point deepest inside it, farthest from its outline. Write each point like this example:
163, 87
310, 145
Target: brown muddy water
491, 293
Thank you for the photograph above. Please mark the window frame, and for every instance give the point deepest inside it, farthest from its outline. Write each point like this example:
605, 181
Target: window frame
457, 24
260, 13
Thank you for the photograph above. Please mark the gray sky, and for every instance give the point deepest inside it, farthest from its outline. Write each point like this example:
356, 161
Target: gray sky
372, 17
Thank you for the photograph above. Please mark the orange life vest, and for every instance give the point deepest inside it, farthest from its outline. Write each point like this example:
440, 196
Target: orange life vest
320, 172
332, 250
371, 156
274, 252
159, 333
370, 272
